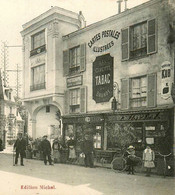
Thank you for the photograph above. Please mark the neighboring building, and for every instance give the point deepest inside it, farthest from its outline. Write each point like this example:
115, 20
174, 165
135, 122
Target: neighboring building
11, 122
123, 61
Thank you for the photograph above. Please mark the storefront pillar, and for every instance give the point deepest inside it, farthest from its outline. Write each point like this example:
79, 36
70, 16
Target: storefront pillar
105, 136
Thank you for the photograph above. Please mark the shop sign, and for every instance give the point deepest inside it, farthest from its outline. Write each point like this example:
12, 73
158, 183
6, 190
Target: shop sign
166, 80
103, 78
138, 117
155, 133
102, 35
74, 81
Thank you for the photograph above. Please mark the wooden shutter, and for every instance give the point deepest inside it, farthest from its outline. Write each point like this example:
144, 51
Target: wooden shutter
65, 62
125, 43
151, 36
124, 93
152, 92
83, 99
66, 102
83, 57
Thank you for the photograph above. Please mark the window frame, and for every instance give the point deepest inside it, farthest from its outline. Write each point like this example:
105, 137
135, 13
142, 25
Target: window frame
37, 86
37, 49
126, 40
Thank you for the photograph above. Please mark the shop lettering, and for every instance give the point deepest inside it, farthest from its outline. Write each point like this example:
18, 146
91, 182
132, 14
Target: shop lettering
94, 39
102, 69
102, 95
104, 34
104, 47
102, 79
137, 117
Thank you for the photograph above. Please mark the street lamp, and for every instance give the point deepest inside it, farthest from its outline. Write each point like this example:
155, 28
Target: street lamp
114, 102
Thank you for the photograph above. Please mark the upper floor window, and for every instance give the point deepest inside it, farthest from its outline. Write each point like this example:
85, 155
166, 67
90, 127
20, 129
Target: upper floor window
74, 54
37, 77
139, 92
74, 60
38, 43
139, 40
75, 100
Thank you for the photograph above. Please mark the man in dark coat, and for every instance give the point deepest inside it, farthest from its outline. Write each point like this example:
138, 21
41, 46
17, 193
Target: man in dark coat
87, 149
46, 148
20, 147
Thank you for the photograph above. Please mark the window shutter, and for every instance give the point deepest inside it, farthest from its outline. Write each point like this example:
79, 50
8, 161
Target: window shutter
125, 44
65, 62
151, 37
124, 93
83, 57
66, 102
83, 99
152, 95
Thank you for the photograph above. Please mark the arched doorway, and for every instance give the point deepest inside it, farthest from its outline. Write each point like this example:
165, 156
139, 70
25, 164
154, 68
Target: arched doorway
47, 122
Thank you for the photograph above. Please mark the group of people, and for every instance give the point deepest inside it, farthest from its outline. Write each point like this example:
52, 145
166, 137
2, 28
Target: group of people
87, 150
132, 160
46, 148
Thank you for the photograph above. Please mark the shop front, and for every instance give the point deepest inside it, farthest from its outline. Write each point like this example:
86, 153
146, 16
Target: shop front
142, 128
80, 125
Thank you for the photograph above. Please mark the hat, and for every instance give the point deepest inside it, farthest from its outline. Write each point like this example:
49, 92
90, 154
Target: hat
131, 147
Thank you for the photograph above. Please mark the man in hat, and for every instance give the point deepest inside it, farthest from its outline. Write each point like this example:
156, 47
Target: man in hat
46, 148
20, 147
87, 149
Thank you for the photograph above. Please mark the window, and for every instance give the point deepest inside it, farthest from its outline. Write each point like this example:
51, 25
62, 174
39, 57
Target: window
38, 77
38, 43
74, 60
139, 92
74, 100
139, 40
47, 109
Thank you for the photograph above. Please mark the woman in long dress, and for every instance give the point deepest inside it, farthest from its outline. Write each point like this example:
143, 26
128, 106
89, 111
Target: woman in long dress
148, 158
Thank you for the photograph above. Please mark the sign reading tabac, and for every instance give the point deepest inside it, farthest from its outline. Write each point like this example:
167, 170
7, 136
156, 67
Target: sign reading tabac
103, 78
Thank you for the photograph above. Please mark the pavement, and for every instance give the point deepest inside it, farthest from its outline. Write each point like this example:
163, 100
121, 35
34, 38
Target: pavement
62, 179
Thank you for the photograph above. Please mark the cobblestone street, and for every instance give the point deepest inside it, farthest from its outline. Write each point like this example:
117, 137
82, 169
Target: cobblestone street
75, 180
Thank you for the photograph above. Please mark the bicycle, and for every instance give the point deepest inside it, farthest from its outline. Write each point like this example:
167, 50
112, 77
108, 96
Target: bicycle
165, 162
119, 163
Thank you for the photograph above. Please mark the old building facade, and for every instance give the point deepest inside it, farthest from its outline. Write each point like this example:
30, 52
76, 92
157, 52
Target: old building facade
108, 79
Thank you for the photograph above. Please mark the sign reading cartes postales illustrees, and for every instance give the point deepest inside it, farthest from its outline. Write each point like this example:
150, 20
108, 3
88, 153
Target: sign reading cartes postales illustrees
103, 78
104, 34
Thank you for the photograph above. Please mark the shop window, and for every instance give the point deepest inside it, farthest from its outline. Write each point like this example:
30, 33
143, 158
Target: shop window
139, 40
97, 138
38, 43
138, 92
74, 60
38, 77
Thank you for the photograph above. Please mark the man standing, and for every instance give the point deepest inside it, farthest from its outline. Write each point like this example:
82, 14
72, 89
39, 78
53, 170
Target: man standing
46, 148
87, 149
20, 147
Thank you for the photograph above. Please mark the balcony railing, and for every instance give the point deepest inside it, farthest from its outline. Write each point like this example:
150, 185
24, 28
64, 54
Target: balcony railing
37, 86
38, 50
